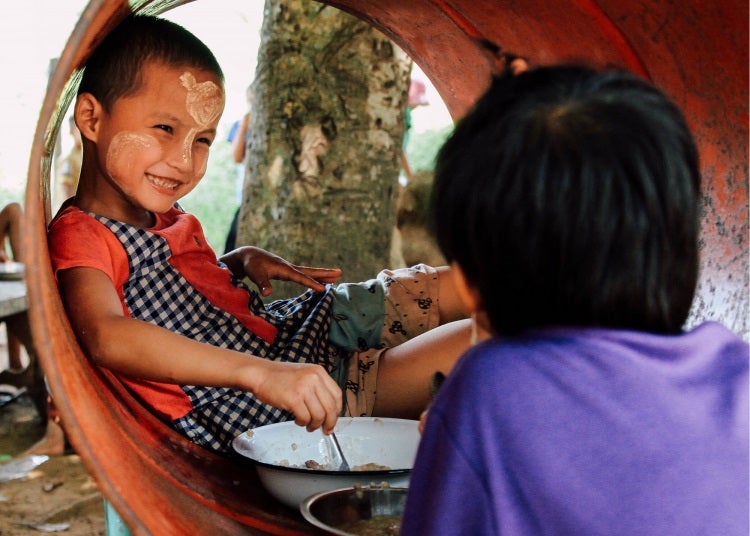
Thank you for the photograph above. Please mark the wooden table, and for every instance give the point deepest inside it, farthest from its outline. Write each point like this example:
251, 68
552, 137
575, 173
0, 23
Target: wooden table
14, 312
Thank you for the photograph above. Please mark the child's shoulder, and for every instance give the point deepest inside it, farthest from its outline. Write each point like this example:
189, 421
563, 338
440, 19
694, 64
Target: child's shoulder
72, 227
76, 239
69, 216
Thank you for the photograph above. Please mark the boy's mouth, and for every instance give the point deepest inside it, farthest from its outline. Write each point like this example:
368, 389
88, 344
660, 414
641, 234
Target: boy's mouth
163, 182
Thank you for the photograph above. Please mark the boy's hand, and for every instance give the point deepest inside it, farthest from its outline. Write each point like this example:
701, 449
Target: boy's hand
422, 421
261, 266
306, 390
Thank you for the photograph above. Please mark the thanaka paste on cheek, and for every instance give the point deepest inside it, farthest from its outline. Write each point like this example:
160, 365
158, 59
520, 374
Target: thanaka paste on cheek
122, 147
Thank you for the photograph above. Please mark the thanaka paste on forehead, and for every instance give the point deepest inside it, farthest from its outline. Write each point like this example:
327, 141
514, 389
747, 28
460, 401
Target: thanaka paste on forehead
204, 100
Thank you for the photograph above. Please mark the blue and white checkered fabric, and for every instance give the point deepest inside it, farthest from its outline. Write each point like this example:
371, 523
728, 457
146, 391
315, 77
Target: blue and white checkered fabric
157, 293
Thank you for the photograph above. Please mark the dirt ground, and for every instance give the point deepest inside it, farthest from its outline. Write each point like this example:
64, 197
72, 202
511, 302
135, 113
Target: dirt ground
58, 495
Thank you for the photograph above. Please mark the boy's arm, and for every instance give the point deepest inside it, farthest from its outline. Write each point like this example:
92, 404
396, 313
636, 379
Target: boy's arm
142, 350
261, 266
238, 149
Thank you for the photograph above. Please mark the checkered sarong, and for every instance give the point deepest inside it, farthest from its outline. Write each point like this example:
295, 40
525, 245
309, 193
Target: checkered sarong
157, 293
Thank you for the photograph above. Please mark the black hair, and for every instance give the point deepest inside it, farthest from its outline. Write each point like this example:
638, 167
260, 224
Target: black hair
571, 197
114, 69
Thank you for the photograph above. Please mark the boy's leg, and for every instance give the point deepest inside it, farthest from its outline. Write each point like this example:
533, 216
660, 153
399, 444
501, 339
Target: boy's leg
53, 441
394, 307
417, 299
395, 382
407, 317
10, 226
404, 371
450, 306
15, 363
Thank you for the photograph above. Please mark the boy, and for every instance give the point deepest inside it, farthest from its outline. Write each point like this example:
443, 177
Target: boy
147, 298
590, 411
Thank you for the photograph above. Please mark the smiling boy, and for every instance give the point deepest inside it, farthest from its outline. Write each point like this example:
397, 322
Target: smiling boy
148, 299
151, 146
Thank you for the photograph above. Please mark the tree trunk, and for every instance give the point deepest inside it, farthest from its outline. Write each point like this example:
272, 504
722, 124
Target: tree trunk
324, 146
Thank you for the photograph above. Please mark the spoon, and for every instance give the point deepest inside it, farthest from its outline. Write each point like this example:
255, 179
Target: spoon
337, 455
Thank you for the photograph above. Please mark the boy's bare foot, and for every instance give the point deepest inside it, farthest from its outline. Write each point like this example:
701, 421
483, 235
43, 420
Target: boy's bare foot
51, 444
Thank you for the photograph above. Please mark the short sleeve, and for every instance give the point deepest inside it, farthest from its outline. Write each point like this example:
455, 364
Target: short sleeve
77, 240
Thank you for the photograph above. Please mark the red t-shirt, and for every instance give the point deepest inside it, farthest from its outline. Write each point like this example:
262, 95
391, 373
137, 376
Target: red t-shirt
76, 239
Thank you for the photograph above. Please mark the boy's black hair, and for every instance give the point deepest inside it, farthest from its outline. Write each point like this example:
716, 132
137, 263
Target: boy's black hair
571, 197
114, 69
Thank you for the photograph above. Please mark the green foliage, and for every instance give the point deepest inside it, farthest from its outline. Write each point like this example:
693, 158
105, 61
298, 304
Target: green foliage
214, 201
423, 147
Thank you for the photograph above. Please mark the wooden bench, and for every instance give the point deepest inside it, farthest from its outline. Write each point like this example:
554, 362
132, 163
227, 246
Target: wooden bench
14, 308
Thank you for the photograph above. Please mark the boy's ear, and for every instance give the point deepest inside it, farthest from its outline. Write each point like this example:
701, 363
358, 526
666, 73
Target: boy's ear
467, 293
88, 113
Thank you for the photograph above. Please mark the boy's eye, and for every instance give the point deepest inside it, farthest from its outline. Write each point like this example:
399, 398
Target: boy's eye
207, 141
165, 128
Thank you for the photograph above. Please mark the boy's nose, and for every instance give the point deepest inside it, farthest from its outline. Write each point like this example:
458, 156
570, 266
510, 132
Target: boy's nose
181, 154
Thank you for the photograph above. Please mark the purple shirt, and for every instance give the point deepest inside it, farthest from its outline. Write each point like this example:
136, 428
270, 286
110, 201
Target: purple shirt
588, 431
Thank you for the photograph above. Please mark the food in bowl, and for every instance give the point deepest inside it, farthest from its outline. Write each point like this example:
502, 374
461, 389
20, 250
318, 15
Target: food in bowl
375, 526
313, 464
383, 450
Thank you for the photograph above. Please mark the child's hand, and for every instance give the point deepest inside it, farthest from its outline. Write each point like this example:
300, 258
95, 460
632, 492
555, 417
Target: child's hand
422, 421
435, 382
305, 390
261, 266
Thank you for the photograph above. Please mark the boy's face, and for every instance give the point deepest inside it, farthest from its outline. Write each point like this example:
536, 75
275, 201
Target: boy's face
153, 145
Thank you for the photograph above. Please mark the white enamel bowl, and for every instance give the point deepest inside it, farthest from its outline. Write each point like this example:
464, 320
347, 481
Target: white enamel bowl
280, 451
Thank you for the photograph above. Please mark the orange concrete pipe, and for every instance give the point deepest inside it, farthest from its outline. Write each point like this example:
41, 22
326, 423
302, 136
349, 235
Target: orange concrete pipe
695, 50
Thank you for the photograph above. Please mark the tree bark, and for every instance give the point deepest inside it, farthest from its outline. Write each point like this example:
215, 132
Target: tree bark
323, 152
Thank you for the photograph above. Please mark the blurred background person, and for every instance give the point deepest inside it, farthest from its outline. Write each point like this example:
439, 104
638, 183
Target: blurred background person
11, 217
238, 135
69, 167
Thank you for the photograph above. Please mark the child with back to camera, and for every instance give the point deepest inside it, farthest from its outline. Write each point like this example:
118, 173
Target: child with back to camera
147, 298
568, 203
